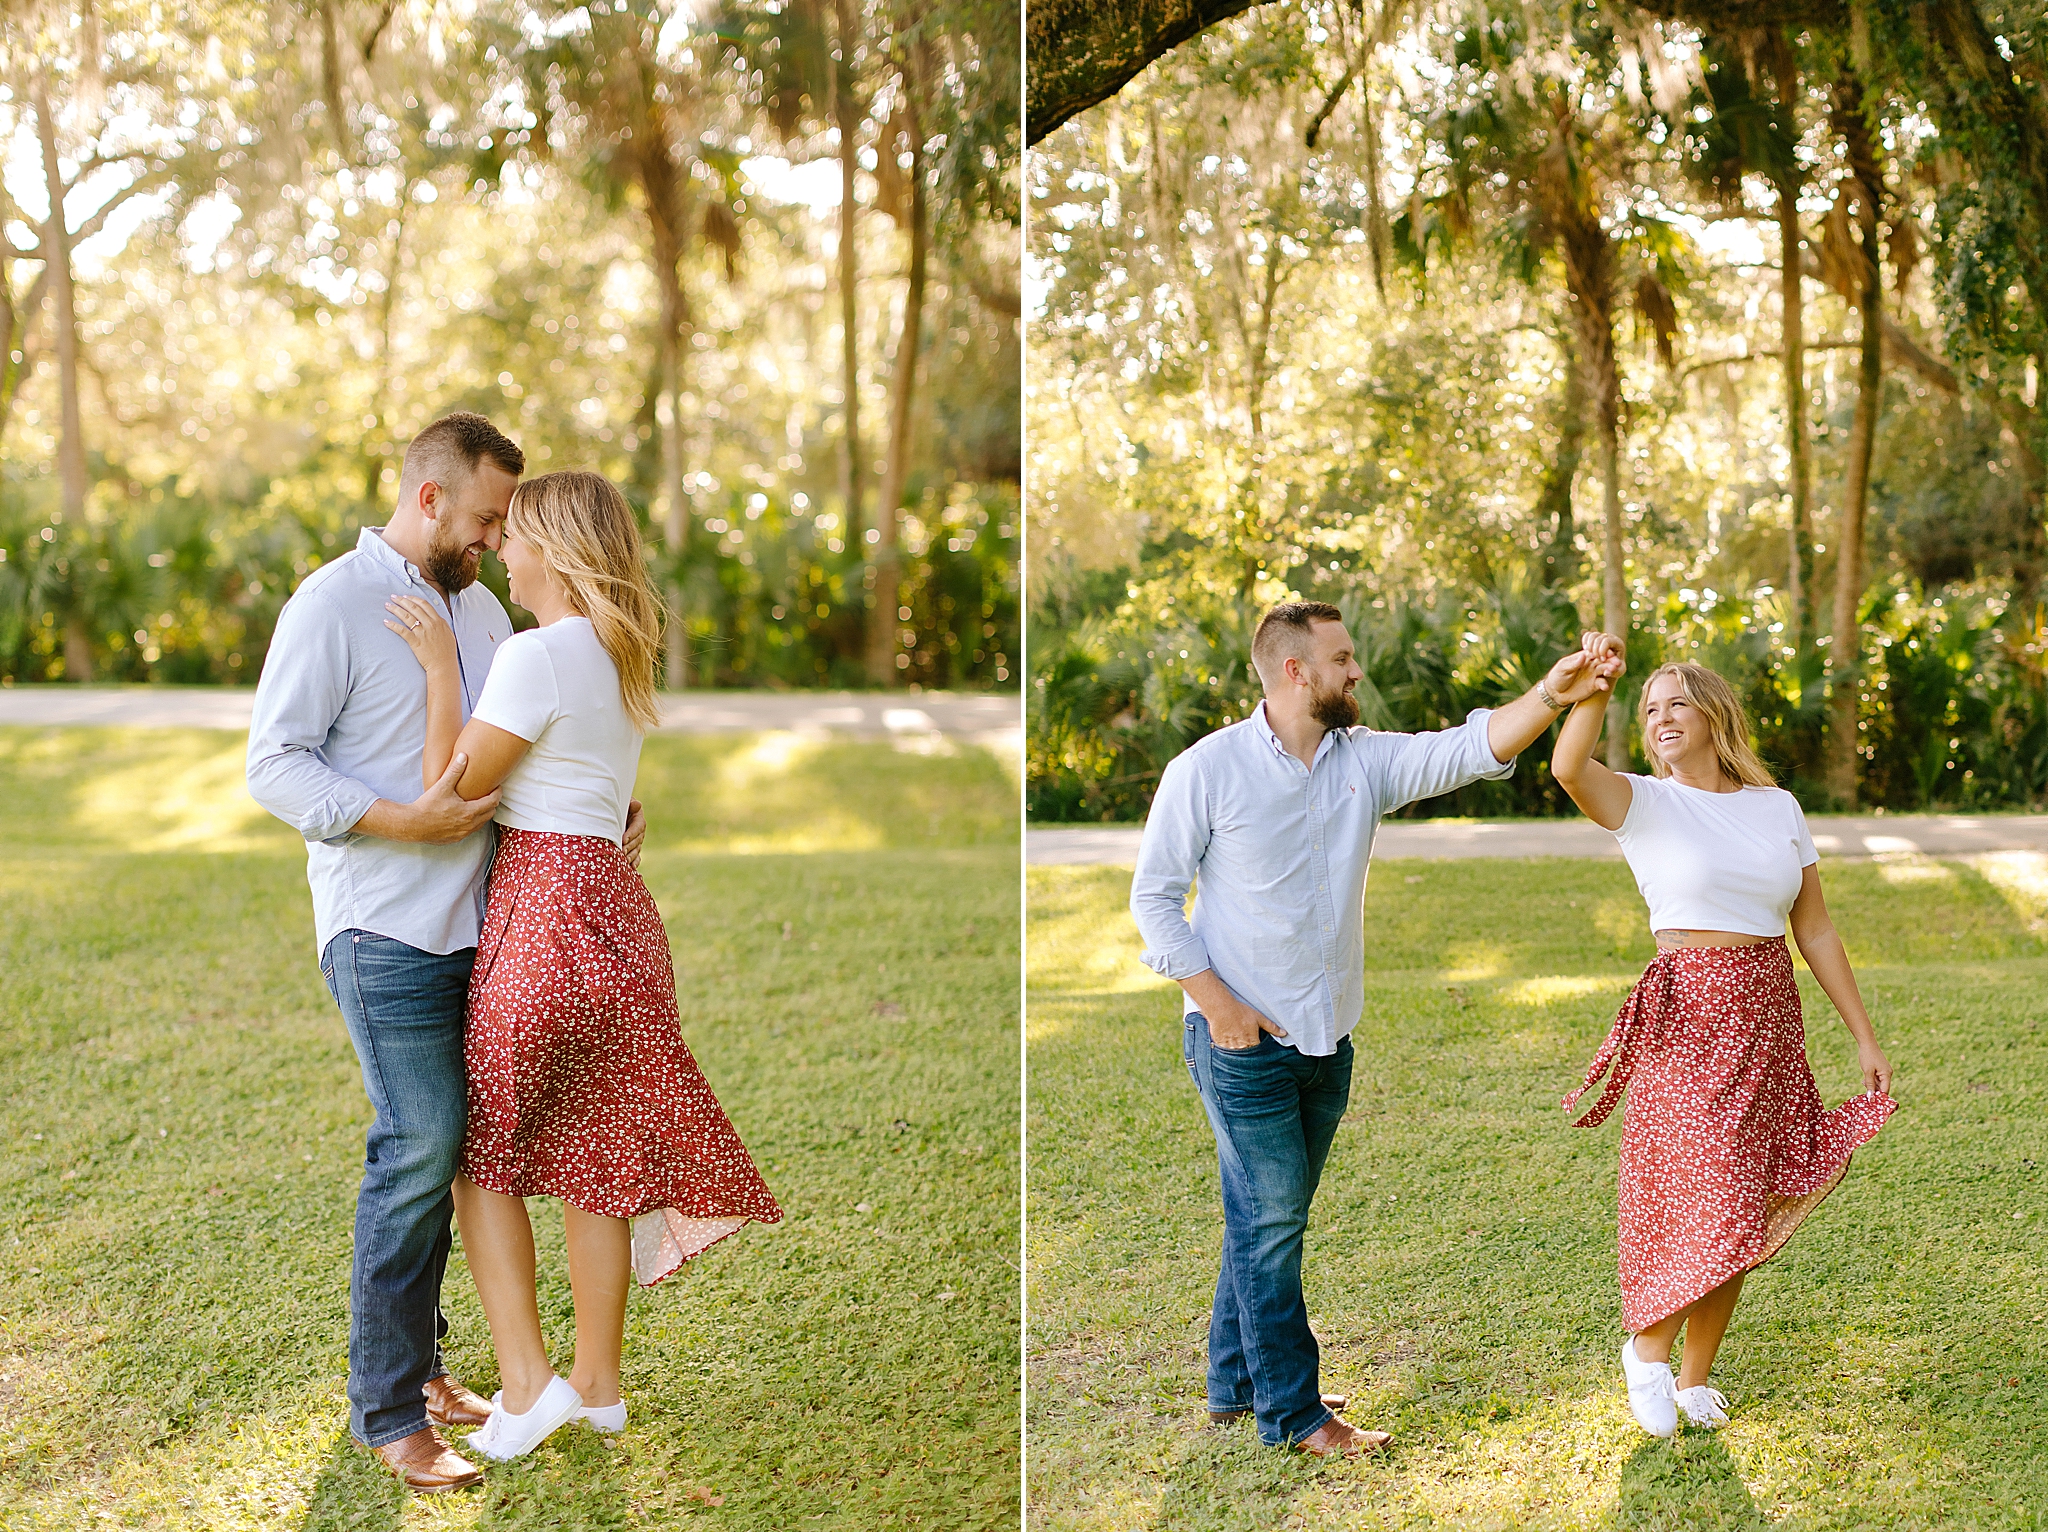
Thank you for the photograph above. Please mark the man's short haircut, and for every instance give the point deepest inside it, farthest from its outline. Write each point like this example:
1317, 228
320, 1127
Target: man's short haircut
448, 451
1283, 633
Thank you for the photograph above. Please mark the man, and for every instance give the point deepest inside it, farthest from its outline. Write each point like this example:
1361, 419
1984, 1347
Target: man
398, 884
1275, 815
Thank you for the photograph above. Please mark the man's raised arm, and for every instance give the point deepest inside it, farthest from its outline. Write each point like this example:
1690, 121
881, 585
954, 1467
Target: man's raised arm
1484, 747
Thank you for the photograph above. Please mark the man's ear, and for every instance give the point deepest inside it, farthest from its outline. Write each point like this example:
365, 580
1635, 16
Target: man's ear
430, 494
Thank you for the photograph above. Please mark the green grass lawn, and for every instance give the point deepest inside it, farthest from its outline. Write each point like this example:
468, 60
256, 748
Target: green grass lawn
184, 1125
1885, 1370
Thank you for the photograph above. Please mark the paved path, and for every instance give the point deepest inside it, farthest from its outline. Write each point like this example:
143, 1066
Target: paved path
1834, 834
991, 719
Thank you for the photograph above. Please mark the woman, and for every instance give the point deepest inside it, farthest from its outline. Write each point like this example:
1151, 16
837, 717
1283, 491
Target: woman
580, 1086
1724, 1145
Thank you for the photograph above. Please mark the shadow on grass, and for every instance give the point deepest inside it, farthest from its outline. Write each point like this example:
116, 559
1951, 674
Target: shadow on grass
575, 1483
1226, 1480
1689, 1482
353, 1493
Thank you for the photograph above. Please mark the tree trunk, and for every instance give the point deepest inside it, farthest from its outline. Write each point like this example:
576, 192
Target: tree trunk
1589, 277
1792, 329
77, 648
57, 257
11, 371
1799, 590
883, 618
1554, 497
846, 117
1259, 345
1613, 589
1844, 656
667, 218
330, 79
677, 665
71, 442
380, 443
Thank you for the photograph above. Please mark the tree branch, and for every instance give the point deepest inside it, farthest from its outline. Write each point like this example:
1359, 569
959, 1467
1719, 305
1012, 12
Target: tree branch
85, 168
1765, 356
371, 37
1315, 125
1085, 51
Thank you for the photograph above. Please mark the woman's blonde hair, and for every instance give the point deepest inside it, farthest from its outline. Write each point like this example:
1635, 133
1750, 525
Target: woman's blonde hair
584, 532
1727, 726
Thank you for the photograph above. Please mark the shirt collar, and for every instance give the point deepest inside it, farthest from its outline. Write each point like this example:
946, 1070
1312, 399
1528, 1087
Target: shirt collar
1265, 729
372, 546
1272, 740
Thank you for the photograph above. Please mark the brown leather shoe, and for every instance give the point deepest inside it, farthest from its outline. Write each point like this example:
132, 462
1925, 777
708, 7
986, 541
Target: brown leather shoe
1336, 1438
1331, 1402
450, 1404
426, 1465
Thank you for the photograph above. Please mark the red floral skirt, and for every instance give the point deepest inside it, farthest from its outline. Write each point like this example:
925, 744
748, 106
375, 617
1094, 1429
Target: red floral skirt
580, 1084
1725, 1147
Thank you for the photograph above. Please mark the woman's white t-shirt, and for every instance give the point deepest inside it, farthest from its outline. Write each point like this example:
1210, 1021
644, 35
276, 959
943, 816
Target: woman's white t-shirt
1710, 861
556, 687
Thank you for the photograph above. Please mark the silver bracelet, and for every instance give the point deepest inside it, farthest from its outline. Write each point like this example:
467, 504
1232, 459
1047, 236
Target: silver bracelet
1543, 695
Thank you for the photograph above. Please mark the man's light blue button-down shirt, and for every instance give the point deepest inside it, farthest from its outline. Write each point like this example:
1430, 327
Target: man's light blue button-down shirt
1280, 851
341, 721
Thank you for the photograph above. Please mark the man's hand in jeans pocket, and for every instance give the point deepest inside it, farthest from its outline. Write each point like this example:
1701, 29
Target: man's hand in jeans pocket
1233, 1025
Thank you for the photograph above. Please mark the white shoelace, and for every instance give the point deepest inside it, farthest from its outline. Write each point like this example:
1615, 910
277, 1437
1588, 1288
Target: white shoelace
1719, 1400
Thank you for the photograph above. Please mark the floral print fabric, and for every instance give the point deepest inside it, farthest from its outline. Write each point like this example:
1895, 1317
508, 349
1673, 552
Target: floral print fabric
1725, 1147
580, 1084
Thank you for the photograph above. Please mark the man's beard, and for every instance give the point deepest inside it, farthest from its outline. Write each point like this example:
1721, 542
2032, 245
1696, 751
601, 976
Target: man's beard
449, 564
1335, 709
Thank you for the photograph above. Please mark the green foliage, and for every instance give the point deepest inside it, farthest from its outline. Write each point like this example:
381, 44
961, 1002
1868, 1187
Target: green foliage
303, 293
1412, 443
187, 589
1953, 689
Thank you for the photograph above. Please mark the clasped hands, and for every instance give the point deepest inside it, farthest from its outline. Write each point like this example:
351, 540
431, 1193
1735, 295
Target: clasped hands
1588, 671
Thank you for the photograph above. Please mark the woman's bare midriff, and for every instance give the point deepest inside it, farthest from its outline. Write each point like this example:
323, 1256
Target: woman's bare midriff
1668, 941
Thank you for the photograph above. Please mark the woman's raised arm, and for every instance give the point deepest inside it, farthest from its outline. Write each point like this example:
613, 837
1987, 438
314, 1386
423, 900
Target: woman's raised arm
1603, 796
492, 751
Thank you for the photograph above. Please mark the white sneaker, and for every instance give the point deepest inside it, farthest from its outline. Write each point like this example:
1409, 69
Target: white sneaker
1704, 1406
608, 1418
506, 1436
1652, 1396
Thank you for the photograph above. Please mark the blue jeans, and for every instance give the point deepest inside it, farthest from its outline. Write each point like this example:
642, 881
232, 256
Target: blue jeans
404, 1012
1274, 1113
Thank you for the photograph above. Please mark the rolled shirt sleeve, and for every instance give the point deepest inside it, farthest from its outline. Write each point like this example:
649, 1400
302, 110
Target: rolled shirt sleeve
1176, 836
296, 705
1414, 766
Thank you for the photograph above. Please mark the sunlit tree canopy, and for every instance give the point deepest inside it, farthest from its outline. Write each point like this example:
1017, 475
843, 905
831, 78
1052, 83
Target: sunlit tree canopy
296, 233
1488, 322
